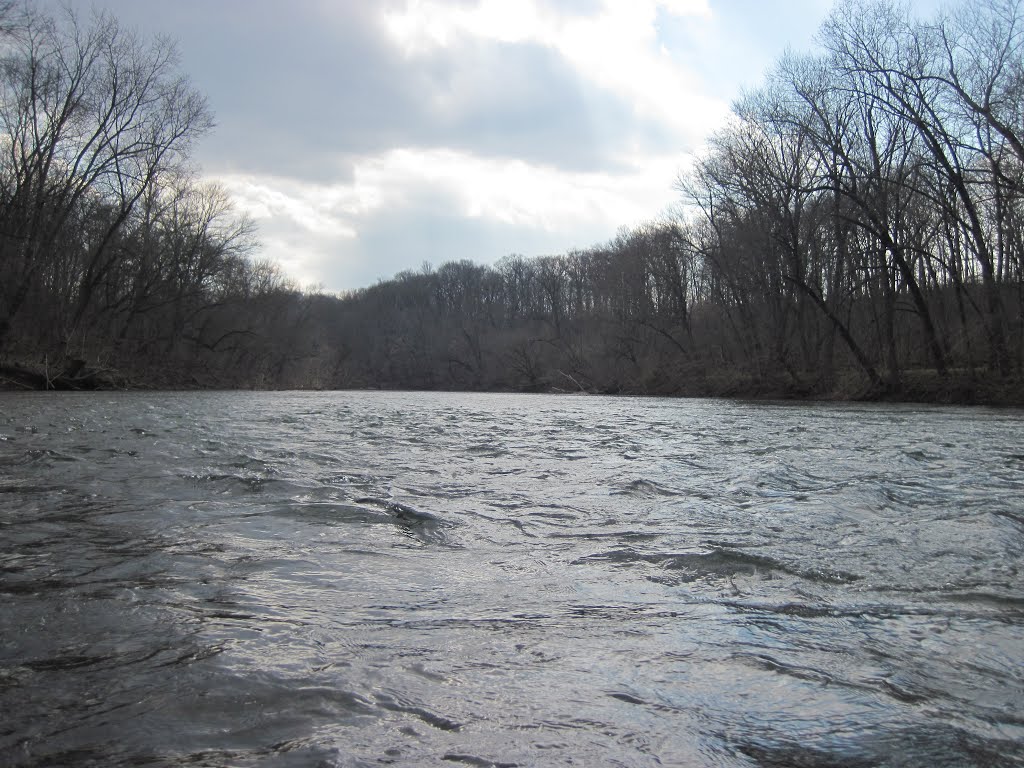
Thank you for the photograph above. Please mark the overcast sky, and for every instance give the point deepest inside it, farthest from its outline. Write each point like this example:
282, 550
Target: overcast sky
368, 136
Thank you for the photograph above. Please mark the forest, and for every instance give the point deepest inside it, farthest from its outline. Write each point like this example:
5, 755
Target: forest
855, 230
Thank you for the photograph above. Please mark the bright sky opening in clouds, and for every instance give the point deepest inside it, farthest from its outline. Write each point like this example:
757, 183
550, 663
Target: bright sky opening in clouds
368, 137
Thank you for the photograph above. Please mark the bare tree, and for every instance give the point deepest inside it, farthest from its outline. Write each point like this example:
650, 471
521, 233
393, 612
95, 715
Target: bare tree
91, 116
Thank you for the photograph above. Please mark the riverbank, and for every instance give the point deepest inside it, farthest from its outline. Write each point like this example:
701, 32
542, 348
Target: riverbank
915, 386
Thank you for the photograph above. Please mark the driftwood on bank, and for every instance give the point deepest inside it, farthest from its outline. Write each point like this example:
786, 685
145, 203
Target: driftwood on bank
73, 376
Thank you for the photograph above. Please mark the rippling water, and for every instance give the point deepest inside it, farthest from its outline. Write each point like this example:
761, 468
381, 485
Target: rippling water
363, 579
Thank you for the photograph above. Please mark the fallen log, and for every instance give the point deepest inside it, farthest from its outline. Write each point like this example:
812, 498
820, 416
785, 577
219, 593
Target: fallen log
75, 377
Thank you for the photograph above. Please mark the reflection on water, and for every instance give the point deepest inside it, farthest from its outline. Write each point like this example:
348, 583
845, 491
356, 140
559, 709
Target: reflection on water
361, 579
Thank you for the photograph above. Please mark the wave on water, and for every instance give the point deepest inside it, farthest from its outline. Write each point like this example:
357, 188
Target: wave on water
715, 564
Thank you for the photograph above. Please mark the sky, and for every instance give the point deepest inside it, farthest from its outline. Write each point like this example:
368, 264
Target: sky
367, 137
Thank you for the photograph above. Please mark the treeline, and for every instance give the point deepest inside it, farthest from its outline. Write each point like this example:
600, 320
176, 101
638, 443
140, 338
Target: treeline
871, 198
857, 228
611, 319
116, 265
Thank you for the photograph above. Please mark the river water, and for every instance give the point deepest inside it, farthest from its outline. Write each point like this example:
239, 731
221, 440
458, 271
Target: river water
366, 579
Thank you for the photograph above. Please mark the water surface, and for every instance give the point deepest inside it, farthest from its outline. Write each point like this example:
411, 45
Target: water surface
364, 579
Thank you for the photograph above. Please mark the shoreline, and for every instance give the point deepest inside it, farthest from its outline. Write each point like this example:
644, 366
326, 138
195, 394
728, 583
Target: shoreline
917, 386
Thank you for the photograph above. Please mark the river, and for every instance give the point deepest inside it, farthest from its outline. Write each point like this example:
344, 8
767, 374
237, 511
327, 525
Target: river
366, 579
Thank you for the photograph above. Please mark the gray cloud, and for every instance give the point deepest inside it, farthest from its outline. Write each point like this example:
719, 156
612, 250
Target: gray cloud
390, 242
521, 101
299, 89
307, 91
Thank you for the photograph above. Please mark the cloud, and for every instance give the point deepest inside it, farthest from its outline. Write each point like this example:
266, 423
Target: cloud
435, 130
406, 206
298, 89
366, 137
613, 48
